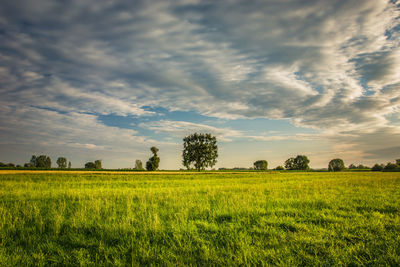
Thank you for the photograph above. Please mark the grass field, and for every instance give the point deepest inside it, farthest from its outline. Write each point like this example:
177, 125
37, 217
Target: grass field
119, 219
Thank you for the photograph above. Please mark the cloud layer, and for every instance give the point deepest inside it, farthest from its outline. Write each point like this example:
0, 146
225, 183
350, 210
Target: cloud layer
333, 66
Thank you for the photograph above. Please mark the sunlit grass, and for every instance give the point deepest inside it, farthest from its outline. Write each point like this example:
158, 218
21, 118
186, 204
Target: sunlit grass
199, 219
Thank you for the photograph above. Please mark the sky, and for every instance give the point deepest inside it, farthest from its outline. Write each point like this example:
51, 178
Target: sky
270, 79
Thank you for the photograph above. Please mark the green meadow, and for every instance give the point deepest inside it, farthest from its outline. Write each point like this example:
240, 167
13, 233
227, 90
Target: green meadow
221, 218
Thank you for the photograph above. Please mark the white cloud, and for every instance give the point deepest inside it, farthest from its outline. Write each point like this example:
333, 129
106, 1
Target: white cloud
184, 128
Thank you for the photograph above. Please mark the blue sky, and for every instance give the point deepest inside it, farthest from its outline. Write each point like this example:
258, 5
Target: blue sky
271, 79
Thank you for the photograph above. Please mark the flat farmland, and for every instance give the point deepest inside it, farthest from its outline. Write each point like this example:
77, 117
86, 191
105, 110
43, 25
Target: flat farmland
185, 218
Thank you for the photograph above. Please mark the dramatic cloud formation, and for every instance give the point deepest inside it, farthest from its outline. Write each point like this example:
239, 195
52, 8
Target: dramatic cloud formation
330, 66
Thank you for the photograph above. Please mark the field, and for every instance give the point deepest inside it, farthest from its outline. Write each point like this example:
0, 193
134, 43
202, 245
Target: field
123, 219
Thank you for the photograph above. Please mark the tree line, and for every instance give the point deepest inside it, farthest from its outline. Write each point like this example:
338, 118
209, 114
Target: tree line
200, 151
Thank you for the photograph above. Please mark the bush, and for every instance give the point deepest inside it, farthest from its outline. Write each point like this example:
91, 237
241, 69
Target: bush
279, 168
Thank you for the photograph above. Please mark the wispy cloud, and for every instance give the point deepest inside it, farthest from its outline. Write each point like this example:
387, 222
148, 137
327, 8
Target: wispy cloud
184, 128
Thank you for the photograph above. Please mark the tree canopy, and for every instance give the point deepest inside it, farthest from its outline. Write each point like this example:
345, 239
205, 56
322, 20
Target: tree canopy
90, 165
94, 165
261, 165
153, 162
199, 150
62, 162
298, 163
138, 165
97, 164
41, 161
336, 165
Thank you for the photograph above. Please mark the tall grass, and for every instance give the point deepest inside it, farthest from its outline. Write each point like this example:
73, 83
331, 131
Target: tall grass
199, 219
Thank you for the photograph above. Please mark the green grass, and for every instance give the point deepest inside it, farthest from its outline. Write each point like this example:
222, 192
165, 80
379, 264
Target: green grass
200, 219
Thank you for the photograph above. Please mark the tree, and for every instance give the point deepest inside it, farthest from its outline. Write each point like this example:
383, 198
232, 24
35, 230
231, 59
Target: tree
138, 165
97, 164
390, 166
352, 166
201, 150
2, 164
154, 161
398, 162
261, 165
29, 165
69, 165
336, 165
90, 165
33, 160
279, 168
62, 162
42, 161
298, 163
301, 162
377, 167
289, 164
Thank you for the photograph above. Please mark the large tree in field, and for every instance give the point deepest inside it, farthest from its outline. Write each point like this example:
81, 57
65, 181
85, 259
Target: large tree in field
153, 162
201, 150
261, 165
289, 164
97, 164
336, 165
298, 163
62, 162
301, 162
41, 161
90, 165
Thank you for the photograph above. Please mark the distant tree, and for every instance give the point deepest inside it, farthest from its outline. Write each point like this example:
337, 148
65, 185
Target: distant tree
398, 162
42, 161
289, 164
352, 166
153, 162
138, 165
377, 167
33, 160
336, 165
298, 163
279, 168
362, 167
48, 162
28, 165
90, 165
260, 165
199, 150
97, 164
62, 162
2, 164
18, 166
390, 166
11, 165
301, 162
69, 165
